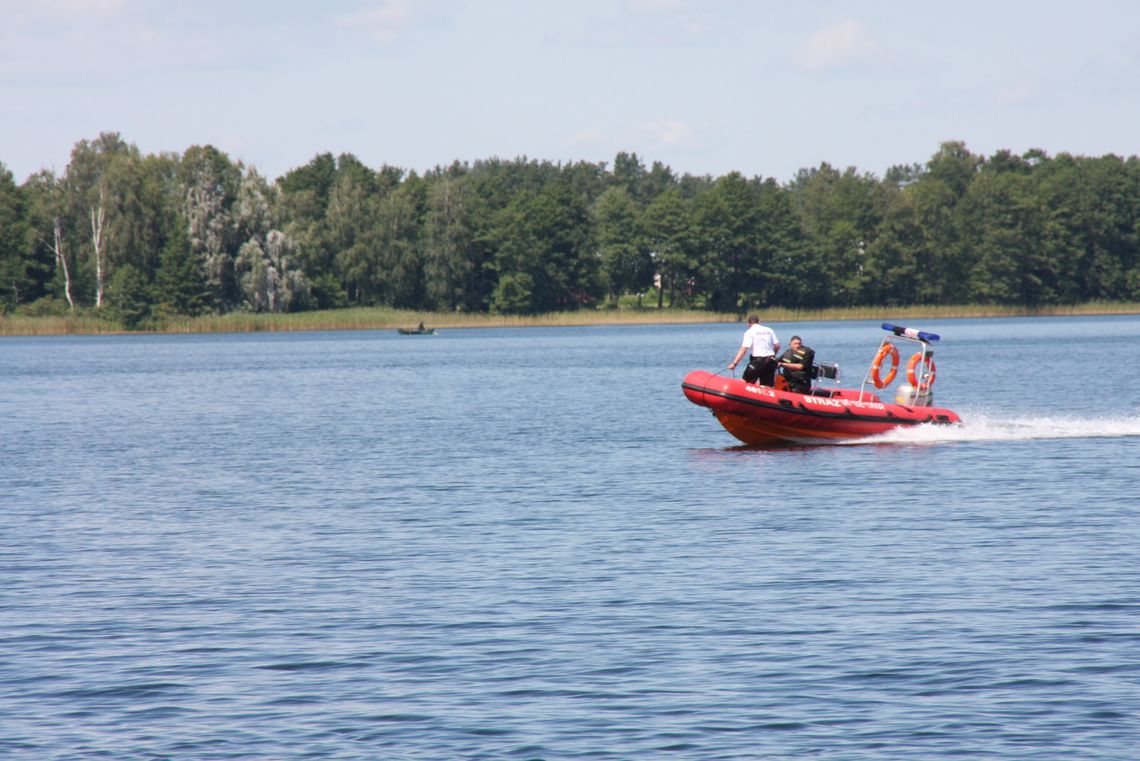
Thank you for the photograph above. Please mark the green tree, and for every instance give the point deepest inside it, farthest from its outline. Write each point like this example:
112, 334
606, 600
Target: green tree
514, 294
954, 166
625, 262
180, 284
629, 174
783, 275
146, 198
1010, 262
1058, 186
1106, 200
128, 297
659, 179
941, 272
667, 229
492, 189
545, 237
449, 242
397, 235
895, 274
341, 242
727, 217
840, 213
20, 273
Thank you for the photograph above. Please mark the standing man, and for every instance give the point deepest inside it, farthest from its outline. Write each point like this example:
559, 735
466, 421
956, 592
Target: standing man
763, 344
796, 363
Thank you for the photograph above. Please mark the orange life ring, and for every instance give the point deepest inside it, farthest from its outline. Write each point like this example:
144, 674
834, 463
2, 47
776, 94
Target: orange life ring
932, 370
886, 350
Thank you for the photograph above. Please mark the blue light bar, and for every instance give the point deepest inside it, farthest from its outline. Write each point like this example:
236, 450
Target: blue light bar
899, 330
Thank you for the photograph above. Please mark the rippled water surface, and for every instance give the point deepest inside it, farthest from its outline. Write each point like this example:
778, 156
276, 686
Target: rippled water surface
526, 544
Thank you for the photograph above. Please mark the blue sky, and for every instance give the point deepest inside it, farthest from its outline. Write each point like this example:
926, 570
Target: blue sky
705, 86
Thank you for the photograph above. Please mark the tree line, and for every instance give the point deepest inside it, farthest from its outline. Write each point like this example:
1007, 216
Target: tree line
145, 237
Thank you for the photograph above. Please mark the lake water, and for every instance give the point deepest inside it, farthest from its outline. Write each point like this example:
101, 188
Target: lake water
526, 544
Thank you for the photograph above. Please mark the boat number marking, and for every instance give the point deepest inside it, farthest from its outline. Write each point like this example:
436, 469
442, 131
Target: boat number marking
844, 403
820, 400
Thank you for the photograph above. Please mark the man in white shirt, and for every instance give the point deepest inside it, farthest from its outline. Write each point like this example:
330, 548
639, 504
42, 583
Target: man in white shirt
761, 341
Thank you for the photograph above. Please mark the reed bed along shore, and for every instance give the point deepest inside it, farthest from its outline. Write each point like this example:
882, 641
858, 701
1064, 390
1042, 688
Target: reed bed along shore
87, 323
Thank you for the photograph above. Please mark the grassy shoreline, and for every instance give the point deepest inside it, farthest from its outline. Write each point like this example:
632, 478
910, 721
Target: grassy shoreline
390, 319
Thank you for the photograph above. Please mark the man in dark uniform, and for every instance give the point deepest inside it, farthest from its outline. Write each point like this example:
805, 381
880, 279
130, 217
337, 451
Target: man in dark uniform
796, 365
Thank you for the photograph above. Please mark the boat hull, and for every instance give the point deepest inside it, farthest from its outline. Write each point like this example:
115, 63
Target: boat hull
760, 415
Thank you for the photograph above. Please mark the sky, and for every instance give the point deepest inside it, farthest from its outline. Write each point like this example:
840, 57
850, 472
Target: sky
767, 88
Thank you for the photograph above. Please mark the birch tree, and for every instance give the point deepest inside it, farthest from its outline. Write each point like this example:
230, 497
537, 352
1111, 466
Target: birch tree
61, 260
98, 244
48, 225
92, 188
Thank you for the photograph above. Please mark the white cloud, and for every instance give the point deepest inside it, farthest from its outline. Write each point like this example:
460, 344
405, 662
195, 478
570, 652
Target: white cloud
1013, 94
637, 24
836, 47
62, 9
668, 17
661, 135
389, 21
659, 5
69, 38
587, 137
669, 133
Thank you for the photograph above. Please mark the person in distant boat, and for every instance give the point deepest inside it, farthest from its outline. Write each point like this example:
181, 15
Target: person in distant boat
796, 364
421, 328
761, 344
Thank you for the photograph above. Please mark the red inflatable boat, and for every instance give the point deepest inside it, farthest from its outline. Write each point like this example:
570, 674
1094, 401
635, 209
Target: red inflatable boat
760, 415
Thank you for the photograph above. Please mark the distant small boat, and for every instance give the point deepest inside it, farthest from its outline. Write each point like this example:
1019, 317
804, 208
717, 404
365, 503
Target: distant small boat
420, 331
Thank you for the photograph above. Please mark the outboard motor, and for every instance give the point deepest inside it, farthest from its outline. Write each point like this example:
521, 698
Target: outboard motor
825, 371
828, 370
